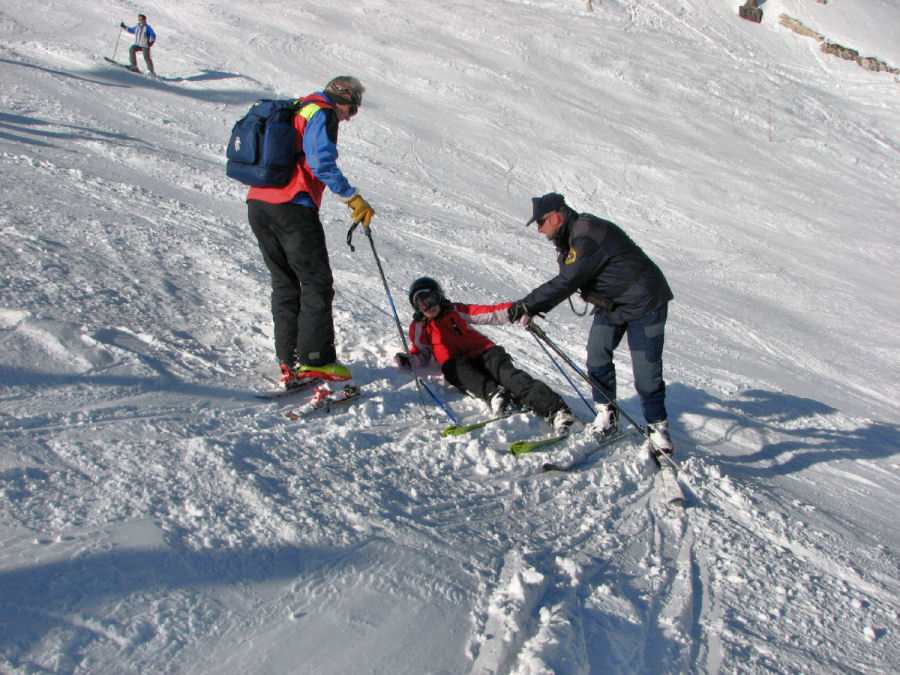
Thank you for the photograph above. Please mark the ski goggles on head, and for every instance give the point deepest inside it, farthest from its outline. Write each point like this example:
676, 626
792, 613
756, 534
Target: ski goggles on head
426, 299
341, 93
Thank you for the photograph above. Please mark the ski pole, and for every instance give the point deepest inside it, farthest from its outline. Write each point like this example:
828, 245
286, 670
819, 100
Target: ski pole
432, 394
539, 332
564, 374
387, 290
118, 35
437, 400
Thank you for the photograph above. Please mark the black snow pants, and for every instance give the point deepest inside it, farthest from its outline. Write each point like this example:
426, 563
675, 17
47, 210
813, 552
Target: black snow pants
485, 374
292, 242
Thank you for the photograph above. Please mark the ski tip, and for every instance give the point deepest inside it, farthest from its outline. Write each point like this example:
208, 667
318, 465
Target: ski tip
269, 395
547, 466
520, 448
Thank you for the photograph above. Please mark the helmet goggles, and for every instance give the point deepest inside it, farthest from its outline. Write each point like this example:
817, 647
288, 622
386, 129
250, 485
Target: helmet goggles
426, 299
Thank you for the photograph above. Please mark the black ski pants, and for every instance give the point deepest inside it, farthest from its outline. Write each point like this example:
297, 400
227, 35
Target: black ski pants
483, 376
292, 242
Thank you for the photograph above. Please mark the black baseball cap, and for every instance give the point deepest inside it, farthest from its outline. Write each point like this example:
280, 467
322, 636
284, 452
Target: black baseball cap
541, 206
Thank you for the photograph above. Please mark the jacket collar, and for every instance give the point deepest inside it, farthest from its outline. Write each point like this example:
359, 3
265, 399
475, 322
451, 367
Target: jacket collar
563, 235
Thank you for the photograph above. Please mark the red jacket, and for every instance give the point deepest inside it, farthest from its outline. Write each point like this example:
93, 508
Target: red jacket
449, 335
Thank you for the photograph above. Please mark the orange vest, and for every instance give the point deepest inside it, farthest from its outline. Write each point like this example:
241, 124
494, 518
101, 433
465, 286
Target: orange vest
302, 180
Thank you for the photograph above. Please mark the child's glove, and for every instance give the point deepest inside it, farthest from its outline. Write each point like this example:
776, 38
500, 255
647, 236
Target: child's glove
408, 361
518, 313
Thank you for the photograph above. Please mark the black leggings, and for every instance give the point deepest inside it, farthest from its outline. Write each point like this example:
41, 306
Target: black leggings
483, 376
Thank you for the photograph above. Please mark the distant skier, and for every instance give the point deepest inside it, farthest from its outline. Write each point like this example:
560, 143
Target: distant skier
472, 362
286, 223
630, 297
144, 38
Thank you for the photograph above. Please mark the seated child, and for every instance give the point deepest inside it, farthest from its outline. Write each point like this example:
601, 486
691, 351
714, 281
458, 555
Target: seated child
469, 360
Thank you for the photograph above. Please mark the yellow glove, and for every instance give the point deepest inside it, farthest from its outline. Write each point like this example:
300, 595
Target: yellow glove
362, 212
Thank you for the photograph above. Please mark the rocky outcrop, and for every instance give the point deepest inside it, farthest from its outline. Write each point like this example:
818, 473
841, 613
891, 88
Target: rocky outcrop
799, 28
867, 62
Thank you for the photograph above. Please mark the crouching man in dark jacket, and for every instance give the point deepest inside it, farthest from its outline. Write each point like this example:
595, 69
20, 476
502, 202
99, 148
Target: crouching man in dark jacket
630, 297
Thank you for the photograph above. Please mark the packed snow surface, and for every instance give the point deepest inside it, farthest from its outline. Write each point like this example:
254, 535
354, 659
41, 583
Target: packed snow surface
156, 517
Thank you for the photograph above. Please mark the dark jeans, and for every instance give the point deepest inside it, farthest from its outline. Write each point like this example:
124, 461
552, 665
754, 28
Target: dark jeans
292, 242
483, 376
132, 56
645, 341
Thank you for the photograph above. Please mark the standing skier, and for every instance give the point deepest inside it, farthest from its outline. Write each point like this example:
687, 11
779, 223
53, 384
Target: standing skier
144, 37
286, 223
630, 297
472, 362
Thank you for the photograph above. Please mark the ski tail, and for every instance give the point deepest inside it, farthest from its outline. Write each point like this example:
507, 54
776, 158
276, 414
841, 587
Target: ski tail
282, 392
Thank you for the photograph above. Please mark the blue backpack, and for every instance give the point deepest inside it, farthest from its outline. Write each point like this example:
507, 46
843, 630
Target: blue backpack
261, 149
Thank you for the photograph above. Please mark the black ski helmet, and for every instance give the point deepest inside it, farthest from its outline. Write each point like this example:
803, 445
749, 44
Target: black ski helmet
424, 284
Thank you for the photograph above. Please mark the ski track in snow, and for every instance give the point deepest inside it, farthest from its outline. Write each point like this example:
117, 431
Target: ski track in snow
156, 517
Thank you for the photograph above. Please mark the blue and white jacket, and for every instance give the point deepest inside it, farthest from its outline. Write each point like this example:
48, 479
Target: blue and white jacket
143, 35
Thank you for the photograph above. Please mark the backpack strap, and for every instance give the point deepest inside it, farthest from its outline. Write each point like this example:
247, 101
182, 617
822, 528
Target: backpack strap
320, 103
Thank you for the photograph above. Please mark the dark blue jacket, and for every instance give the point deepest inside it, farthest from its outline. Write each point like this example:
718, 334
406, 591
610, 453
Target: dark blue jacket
597, 259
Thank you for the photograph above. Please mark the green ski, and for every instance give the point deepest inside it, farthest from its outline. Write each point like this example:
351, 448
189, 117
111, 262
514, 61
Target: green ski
460, 430
521, 447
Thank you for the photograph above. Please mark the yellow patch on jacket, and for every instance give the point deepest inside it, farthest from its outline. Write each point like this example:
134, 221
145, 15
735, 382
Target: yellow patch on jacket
572, 257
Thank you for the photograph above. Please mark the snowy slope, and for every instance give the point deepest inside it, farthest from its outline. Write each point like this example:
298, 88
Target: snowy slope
156, 517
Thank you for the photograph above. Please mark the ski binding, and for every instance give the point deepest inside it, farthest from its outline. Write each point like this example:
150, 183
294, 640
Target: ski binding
324, 401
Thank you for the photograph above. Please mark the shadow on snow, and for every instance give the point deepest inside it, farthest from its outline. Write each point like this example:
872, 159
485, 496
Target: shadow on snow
794, 433
37, 599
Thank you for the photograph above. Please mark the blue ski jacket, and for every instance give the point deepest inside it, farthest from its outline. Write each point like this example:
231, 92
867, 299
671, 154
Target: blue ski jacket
143, 35
317, 127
